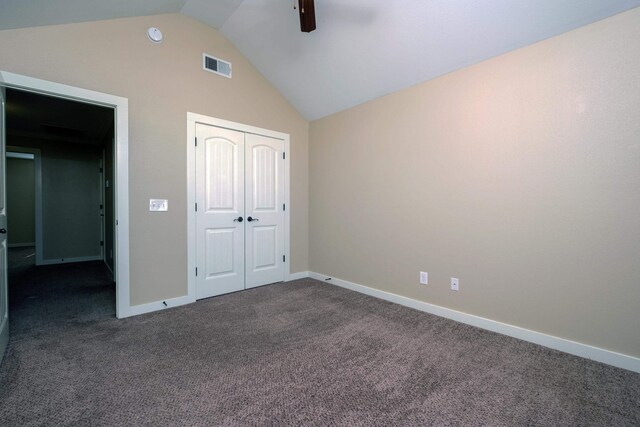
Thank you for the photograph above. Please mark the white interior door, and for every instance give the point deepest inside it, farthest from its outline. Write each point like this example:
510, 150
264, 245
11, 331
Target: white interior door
264, 209
240, 211
4, 294
219, 211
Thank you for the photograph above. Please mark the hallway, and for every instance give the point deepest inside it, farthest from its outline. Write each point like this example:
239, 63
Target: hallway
50, 297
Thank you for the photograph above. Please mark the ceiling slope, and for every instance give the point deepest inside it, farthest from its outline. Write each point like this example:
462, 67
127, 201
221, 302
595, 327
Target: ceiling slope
363, 49
215, 14
34, 13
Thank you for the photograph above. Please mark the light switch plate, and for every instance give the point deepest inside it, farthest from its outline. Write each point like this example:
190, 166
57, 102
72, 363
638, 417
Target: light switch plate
158, 205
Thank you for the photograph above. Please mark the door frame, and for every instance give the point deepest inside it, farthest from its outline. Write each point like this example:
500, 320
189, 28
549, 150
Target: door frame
192, 120
120, 106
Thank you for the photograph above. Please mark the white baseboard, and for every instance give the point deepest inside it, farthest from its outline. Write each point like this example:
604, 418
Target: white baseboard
296, 276
69, 260
619, 360
21, 245
155, 306
183, 300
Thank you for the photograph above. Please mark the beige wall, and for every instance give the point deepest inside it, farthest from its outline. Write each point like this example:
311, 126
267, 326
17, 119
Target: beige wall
163, 82
71, 223
519, 175
21, 189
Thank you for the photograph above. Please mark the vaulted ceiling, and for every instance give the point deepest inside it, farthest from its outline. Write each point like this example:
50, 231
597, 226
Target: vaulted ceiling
362, 49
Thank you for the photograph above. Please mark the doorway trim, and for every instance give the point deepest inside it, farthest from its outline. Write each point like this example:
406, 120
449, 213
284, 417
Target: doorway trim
120, 106
192, 120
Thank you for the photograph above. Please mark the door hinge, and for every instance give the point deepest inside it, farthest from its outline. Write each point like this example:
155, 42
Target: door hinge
283, 258
100, 170
196, 141
101, 206
196, 207
196, 271
284, 207
101, 242
284, 155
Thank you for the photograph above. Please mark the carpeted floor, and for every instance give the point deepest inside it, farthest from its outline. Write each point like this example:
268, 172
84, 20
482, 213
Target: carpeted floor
298, 353
51, 296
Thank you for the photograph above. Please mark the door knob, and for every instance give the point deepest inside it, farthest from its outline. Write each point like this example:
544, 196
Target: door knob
252, 219
239, 219
3, 231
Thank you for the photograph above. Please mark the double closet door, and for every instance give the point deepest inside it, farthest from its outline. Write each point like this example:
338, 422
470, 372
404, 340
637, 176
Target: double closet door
239, 210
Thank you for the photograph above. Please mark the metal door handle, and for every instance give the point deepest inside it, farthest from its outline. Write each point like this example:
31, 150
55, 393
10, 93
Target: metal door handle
239, 219
3, 231
252, 219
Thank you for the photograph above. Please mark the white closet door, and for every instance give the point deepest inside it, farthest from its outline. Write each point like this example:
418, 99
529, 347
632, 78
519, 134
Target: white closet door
4, 295
220, 222
264, 188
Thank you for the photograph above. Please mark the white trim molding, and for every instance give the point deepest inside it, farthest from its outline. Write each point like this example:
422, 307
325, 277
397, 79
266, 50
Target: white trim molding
297, 276
70, 260
192, 119
121, 182
22, 156
612, 358
159, 305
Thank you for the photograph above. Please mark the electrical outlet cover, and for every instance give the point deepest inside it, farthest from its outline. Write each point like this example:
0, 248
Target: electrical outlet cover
455, 284
424, 278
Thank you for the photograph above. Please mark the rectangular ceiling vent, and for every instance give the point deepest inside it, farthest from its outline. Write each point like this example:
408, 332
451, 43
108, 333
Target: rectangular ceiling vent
216, 65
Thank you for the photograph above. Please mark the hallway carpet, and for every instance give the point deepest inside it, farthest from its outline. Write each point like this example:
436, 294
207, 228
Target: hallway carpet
50, 296
298, 353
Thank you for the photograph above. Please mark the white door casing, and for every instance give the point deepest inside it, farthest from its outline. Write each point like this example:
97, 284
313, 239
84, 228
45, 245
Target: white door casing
219, 210
264, 208
120, 183
4, 294
237, 175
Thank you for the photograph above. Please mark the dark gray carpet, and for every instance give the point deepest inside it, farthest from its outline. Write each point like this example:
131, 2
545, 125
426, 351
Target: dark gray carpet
51, 296
299, 353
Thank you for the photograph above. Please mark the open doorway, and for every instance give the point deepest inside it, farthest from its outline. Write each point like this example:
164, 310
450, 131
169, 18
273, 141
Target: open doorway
60, 206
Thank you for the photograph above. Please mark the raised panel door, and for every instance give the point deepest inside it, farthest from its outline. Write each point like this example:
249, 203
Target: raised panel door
220, 211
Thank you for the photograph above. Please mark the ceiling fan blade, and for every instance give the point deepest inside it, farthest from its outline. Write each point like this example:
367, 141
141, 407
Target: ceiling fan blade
307, 15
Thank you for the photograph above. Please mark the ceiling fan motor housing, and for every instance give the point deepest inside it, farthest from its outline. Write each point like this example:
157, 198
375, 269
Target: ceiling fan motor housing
307, 15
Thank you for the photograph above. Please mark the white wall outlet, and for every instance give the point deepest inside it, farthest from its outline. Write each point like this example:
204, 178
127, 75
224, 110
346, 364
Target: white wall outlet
455, 284
424, 278
158, 205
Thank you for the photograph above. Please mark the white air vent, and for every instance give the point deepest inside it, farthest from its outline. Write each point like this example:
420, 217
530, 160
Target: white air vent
215, 65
